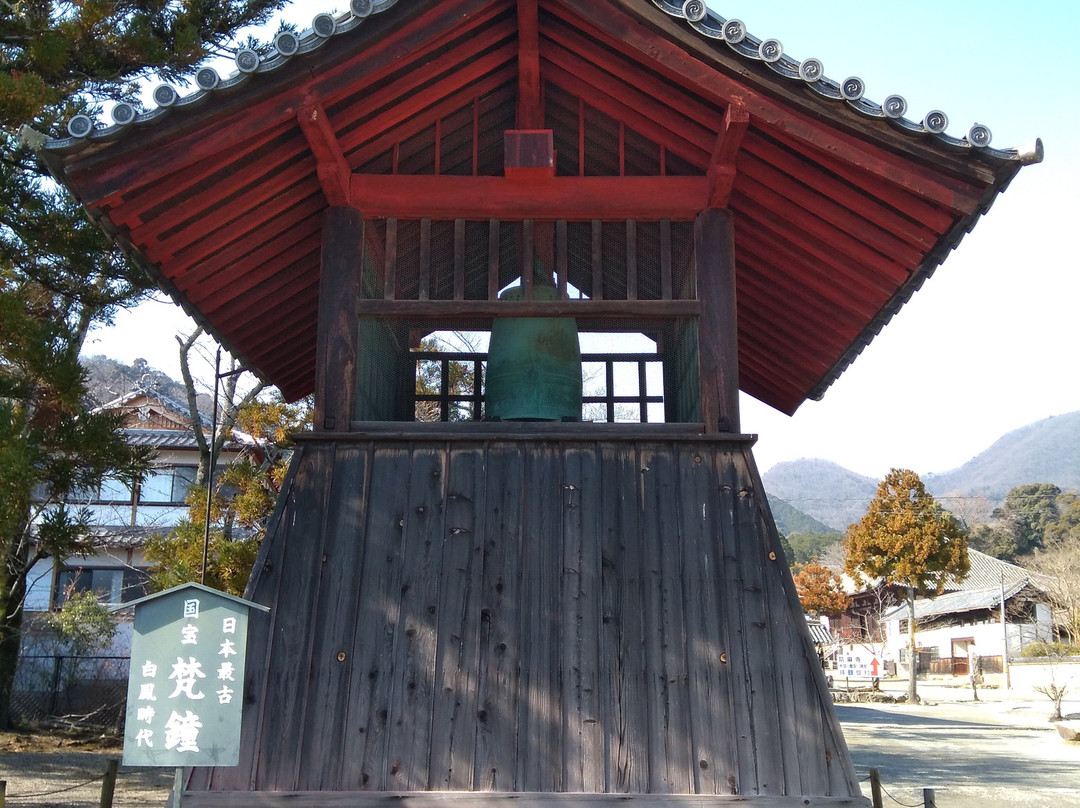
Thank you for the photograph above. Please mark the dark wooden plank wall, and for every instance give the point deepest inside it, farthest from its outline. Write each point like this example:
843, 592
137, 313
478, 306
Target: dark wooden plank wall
531, 615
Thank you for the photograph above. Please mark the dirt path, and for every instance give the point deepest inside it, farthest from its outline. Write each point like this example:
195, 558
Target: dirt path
59, 771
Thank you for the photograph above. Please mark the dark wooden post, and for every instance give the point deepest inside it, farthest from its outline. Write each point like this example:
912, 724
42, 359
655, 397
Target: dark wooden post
718, 351
336, 349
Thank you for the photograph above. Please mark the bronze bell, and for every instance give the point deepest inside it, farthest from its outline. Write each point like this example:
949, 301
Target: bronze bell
534, 364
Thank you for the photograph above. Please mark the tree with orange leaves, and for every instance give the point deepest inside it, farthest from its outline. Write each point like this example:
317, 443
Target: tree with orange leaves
821, 591
907, 539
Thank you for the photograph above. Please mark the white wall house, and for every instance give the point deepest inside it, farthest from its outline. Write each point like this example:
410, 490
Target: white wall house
963, 627
125, 519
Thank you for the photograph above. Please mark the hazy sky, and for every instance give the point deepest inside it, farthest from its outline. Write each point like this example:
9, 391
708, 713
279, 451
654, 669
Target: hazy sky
991, 341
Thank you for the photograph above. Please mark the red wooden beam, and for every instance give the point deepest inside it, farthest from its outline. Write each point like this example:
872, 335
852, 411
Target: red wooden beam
530, 110
330, 162
721, 173
485, 309
576, 198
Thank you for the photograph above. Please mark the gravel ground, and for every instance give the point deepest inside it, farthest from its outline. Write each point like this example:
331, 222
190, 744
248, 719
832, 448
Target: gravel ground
66, 777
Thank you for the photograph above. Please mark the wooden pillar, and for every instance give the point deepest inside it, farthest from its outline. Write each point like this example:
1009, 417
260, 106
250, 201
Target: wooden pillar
336, 348
718, 340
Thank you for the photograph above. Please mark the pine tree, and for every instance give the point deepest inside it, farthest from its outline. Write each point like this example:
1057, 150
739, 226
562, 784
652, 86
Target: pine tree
907, 539
59, 275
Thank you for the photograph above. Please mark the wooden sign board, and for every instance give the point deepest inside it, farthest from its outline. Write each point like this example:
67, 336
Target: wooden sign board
186, 683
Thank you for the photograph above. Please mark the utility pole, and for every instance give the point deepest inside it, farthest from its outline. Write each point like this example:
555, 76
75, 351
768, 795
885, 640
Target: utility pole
1004, 637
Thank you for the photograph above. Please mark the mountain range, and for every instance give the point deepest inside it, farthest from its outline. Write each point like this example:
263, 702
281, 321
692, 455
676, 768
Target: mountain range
1046, 451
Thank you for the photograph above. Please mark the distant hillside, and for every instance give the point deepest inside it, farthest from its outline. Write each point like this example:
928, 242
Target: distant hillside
824, 490
790, 519
1046, 451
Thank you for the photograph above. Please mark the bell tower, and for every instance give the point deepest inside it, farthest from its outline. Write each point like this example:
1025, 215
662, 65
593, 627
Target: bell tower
534, 609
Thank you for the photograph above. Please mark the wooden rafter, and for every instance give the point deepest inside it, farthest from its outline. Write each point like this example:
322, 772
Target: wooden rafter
721, 173
330, 163
530, 110
636, 41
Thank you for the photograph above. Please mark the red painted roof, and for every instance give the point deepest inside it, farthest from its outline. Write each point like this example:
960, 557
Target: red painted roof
842, 207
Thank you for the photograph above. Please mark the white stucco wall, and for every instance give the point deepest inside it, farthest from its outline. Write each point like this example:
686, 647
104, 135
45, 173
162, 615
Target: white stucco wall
989, 638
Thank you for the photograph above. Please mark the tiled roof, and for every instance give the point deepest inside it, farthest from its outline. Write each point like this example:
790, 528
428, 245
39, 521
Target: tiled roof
176, 439
324, 27
957, 602
988, 572
818, 633
123, 537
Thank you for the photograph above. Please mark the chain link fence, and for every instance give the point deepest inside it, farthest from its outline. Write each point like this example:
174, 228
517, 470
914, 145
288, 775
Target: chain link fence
89, 690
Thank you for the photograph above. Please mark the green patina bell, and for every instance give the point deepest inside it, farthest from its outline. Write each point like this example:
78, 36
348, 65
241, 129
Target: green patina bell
534, 364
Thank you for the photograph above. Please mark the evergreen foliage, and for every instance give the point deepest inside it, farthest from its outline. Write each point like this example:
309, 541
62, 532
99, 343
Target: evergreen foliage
58, 273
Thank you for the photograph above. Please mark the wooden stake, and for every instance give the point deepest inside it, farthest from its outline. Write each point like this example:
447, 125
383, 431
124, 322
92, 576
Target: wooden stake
875, 788
108, 783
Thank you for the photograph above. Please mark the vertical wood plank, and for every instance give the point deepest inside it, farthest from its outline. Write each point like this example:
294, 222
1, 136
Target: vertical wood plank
453, 722
570, 620
677, 732
759, 660
319, 763
459, 259
425, 259
498, 733
590, 620
290, 658
624, 681
371, 674
652, 603
631, 260
336, 339
416, 637
597, 259
711, 704
718, 338
738, 646
539, 716
494, 231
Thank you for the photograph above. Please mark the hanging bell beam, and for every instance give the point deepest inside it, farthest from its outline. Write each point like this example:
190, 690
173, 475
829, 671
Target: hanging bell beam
486, 309
574, 198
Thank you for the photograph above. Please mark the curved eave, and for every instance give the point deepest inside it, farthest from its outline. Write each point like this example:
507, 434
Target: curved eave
132, 174
933, 260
